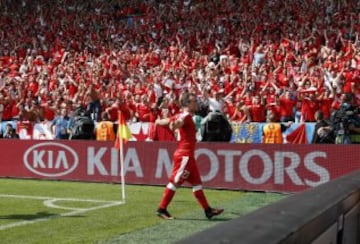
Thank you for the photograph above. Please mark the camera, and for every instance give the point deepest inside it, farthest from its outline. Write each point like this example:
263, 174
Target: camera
342, 119
215, 127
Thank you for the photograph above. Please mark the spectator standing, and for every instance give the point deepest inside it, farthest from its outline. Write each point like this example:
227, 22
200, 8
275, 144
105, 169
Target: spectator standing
323, 132
59, 126
308, 107
94, 105
287, 106
257, 109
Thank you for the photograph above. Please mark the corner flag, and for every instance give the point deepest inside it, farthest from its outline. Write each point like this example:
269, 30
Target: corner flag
123, 131
122, 136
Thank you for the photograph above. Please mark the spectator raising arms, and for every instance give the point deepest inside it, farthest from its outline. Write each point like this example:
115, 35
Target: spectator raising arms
275, 57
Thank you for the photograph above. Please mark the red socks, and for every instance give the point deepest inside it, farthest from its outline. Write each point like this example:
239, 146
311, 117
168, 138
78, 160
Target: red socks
170, 192
167, 196
200, 196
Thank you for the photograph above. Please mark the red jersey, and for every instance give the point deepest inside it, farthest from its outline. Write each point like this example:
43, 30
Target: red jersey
308, 110
187, 134
49, 114
325, 107
258, 113
286, 107
143, 112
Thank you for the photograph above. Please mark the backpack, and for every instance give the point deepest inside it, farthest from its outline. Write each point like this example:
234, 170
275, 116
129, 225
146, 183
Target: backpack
82, 128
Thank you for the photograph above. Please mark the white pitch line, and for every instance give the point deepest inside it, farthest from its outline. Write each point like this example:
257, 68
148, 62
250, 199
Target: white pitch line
55, 198
50, 203
78, 211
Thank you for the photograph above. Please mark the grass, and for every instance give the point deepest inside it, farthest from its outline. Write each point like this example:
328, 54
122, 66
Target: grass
133, 222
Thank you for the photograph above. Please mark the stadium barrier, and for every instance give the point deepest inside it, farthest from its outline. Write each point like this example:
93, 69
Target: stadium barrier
329, 213
254, 167
141, 131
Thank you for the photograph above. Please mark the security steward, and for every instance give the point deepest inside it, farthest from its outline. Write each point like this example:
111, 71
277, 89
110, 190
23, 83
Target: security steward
105, 130
272, 131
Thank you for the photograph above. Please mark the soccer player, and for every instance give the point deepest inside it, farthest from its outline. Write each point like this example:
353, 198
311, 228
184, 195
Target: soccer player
184, 168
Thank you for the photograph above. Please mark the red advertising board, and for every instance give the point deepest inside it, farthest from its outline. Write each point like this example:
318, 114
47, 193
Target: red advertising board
278, 168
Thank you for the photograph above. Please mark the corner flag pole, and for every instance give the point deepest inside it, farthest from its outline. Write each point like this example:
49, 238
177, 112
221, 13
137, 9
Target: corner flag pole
123, 135
122, 173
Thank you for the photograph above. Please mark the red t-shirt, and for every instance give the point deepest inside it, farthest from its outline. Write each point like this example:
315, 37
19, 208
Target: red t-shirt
258, 113
49, 114
230, 109
187, 134
286, 107
143, 112
7, 112
308, 109
325, 107
113, 112
33, 87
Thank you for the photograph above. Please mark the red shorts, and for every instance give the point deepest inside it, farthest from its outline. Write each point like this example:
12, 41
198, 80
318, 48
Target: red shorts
185, 169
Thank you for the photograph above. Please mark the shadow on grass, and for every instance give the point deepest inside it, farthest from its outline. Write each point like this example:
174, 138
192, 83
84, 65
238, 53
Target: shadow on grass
38, 215
29, 216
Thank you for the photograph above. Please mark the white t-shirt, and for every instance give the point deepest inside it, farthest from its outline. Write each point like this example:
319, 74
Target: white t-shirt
215, 105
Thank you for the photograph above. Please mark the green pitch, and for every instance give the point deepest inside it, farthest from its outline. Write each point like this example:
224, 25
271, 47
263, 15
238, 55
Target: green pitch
71, 212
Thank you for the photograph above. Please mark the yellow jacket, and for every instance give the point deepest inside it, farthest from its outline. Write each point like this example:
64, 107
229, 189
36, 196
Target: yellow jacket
105, 131
272, 133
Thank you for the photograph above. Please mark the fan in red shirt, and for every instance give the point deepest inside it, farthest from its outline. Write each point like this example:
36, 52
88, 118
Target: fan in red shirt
326, 99
308, 107
257, 109
143, 109
117, 106
287, 104
185, 168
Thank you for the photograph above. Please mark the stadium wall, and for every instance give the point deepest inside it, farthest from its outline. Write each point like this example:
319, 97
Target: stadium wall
254, 167
329, 213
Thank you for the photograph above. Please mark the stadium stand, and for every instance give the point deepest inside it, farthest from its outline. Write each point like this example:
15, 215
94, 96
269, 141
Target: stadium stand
243, 58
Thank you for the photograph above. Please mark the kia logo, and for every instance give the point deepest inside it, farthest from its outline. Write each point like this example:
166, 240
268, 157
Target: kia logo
51, 159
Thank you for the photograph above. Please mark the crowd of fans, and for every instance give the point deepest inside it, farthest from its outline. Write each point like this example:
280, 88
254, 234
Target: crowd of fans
243, 58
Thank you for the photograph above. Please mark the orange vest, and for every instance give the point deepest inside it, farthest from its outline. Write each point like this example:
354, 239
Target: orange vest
105, 131
272, 133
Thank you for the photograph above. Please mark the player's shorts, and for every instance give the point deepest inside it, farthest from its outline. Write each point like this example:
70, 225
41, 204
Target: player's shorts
185, 169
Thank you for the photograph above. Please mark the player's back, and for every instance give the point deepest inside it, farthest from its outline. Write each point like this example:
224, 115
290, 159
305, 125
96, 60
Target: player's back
187, 134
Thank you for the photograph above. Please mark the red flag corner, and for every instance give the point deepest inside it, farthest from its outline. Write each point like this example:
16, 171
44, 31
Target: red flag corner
123, 131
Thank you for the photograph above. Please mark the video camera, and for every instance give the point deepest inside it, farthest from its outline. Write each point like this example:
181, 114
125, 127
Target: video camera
344, 117
215, 127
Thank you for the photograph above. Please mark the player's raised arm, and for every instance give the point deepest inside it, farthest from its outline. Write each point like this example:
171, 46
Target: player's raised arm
176, 124
163, 122
173, 123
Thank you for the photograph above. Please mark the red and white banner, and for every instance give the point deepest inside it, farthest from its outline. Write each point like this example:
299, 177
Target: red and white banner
278, 168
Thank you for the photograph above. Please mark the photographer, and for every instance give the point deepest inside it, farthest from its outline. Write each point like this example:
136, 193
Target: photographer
10, 132
345, 122
323, 132
215, 127
81, 126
